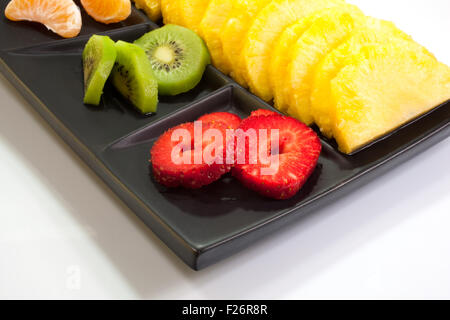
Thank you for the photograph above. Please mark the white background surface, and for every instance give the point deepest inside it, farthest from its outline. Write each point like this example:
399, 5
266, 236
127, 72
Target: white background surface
60, 223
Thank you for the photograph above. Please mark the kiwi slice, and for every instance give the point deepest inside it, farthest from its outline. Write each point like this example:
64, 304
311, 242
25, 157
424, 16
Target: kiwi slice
133, 77
178, 57
99, 56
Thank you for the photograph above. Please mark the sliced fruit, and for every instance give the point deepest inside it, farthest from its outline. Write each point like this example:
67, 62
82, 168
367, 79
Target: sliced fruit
330, 29
373, 31
234, 33
178, 57
285, 172
230, 120
99, 56
170, 12
383, 87
151, 7
259, 113
192, 12
280, 60
61, 16
107, 11
265, 30
263, 112
174, 157
132, 76
215, 17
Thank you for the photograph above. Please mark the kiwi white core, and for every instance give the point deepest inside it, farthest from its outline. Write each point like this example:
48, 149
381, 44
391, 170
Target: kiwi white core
164, 54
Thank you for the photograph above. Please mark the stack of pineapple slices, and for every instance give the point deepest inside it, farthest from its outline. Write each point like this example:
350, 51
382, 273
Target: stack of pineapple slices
320, 61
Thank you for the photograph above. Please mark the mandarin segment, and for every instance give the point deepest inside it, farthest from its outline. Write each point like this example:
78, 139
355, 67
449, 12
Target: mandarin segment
61, 16
107, 11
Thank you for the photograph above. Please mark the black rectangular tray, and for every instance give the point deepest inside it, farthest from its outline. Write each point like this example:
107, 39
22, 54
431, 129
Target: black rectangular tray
200, 226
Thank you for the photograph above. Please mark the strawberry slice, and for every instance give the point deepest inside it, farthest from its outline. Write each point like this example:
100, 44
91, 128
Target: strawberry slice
231, 120
260, 113
284, 172
179, 160
263, 112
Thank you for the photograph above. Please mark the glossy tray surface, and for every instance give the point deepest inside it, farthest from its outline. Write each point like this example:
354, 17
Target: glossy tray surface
200, 226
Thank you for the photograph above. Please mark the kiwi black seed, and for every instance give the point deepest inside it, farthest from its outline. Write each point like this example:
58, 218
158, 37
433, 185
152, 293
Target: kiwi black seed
99, 56
178, 57
132, 76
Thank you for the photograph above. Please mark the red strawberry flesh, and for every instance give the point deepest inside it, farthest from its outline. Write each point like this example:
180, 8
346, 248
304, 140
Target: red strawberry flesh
172, 173
263, 112
299, 150
231, 120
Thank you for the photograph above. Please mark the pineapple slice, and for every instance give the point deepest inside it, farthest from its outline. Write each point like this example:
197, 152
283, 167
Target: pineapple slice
170, 12
330, 29
234, 33
280, 60
192, 12
263, 33
151, 7
214, 19
373, 31
384, 87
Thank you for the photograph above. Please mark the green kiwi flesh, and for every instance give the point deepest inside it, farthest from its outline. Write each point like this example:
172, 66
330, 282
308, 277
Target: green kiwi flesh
178, 57
133, 77
99, 56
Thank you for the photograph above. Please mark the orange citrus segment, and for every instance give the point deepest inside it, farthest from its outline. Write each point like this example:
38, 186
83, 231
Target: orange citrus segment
107, 11
61, 16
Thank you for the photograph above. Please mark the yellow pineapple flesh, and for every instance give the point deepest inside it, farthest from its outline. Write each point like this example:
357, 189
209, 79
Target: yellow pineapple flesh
234, 33
151, 7
214, 19
373, 31
281, 58
170, 12
263, 33
192, 12
330, 29
384, 87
